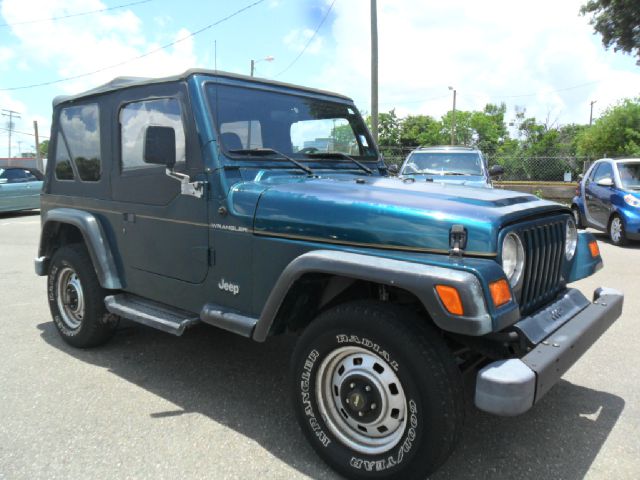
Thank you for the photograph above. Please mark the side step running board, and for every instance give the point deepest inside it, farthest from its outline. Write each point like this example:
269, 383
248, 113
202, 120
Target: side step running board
228, 320
150, 313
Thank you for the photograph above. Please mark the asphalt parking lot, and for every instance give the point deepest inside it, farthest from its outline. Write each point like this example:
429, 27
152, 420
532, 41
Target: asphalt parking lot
214, 405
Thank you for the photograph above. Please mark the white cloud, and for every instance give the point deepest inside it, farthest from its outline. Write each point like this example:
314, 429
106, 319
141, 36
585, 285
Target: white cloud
6, 54
76, 46
489, 51
297, 39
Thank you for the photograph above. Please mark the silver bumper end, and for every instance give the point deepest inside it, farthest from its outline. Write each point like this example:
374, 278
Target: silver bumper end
511, 387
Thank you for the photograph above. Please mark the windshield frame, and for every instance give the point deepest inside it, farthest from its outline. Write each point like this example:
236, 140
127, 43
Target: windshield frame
445, 173
229, 158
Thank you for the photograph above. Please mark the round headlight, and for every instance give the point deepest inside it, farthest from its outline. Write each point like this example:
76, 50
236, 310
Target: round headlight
512, 258
571, 240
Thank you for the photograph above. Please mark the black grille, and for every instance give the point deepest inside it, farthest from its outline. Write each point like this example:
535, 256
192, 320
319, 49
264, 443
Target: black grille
544, 248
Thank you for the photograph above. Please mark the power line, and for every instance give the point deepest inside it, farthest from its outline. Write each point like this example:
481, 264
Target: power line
73, 15
581, 85
163, 47
310, 39
22, 133
424, 100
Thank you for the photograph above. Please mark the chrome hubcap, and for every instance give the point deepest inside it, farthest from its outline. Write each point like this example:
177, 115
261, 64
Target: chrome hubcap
361, 400
616, 229
70, 298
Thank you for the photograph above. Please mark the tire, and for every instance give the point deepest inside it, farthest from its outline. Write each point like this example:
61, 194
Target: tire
76, 299
408, 369
577, 217
617, 233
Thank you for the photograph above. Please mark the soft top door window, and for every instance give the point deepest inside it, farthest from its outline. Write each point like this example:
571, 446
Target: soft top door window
136, 117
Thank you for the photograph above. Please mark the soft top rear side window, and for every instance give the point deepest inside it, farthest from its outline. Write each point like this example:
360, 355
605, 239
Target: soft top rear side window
79, 140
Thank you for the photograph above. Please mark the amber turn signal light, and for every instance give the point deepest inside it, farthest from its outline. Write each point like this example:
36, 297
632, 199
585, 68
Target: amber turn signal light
594, 249
500, 292
450, 298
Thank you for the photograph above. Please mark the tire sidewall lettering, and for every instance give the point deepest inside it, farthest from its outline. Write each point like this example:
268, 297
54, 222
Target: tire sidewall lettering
391, 459
52, 280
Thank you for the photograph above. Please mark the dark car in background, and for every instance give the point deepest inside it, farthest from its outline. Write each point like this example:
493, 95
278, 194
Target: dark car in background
19, 189
608, 199
450, 164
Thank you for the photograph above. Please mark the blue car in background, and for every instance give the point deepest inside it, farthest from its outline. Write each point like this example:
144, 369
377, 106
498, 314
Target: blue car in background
19, 189
450, 164
608, 199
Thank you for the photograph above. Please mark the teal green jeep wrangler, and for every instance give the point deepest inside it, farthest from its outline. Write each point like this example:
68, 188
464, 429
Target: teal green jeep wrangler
263, 208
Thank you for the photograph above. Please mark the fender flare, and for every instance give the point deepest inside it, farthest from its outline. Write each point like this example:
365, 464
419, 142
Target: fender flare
417, 278
94, 238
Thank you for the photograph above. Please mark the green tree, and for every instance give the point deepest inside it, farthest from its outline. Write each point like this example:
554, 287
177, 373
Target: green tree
615, 134
618, 21
490, 131
421, 130
44, 148
389, 128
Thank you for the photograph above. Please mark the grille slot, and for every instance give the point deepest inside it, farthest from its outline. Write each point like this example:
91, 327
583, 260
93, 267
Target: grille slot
544, 247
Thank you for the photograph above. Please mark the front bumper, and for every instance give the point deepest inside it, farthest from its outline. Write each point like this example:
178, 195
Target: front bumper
513, 386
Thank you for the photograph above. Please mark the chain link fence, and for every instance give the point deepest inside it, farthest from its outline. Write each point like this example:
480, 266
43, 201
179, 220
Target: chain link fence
516, 168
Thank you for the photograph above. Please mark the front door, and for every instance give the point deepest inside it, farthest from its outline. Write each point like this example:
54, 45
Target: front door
598, 197
164, 233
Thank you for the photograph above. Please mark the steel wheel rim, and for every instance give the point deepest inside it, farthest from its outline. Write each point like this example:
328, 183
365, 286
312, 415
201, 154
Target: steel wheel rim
70, 298
616, 229
384, 405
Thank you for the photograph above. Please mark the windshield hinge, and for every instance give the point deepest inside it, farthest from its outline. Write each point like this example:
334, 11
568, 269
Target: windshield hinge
457, 240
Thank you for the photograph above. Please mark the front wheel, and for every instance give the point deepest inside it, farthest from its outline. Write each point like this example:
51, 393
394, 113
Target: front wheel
617, 233
377, 392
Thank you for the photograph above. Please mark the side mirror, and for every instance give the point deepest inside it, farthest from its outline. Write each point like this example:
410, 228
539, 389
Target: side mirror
496, 171
605, 182
393, 169
3, 180
580, 176
160, 146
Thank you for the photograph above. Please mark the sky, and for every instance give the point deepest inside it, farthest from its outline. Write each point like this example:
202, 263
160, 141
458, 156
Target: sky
541, 56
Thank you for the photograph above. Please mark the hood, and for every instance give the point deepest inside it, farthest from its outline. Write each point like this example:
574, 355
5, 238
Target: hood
466, 180
388, 212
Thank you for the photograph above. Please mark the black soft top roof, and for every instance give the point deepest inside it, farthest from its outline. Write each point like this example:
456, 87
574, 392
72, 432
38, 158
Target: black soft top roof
124, 82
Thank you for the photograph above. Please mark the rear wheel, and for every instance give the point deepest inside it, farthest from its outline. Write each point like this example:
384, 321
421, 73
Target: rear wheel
377, 392
76, 299
617, 233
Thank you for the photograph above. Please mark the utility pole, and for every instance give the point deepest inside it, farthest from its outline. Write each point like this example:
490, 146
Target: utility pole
265, 59
374, 70
11, 114
591, 113
453, 118
39, 162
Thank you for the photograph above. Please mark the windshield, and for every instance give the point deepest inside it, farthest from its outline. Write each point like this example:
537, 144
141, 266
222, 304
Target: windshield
297, 126
630, 175
443, 163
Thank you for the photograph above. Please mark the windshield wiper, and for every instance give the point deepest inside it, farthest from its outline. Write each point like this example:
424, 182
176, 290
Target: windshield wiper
341, 155
455, 173
271, 151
